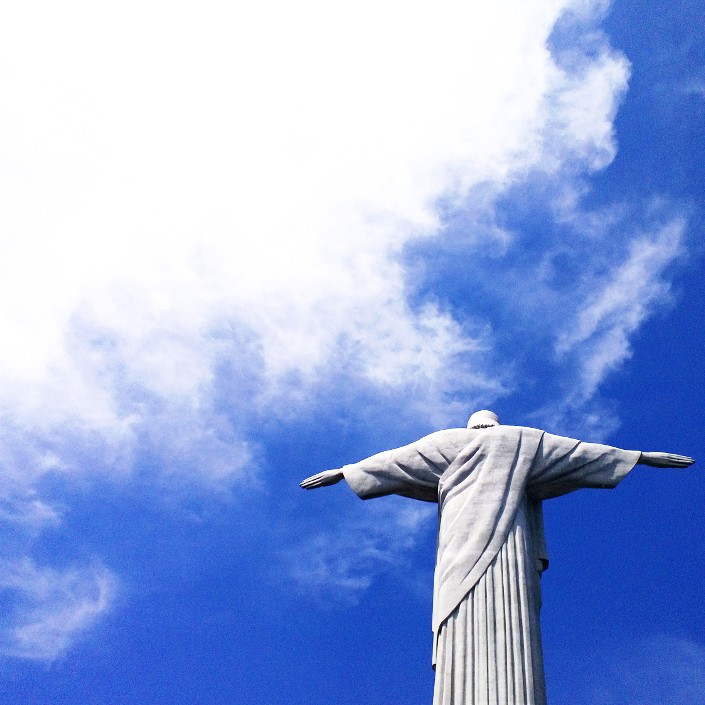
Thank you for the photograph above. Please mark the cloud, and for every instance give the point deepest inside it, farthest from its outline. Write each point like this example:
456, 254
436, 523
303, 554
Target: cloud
611, 298
568, 286
52, 608
695, 87
618, 304
661, 670
174, 207
209, 215
341, 563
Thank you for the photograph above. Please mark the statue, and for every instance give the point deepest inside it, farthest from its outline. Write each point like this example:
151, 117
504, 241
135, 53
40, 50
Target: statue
489, 482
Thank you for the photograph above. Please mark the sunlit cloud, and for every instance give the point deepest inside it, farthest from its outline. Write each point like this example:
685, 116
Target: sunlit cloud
208, 217
175, 208
52, 608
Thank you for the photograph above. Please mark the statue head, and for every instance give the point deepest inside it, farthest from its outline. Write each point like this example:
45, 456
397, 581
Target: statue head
483, 419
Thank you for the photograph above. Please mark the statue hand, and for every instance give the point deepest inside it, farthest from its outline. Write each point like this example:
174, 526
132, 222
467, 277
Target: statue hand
322, 479
665, 460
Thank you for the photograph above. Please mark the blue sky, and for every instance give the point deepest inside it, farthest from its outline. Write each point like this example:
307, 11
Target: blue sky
242, 245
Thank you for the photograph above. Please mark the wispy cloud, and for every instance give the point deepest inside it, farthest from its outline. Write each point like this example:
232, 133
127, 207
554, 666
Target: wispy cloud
662, 670
619, 303
612, 296
47, 610
340, 563
695, 87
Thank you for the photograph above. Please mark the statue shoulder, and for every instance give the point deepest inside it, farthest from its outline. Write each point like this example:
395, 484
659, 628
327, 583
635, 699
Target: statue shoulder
530, 430
453, 437
459, 437
525, 432
449, 433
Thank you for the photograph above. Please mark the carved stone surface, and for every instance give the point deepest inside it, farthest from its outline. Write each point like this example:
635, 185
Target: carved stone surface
489, 481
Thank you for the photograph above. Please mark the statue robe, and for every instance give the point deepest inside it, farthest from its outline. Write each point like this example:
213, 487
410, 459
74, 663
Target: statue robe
489, 484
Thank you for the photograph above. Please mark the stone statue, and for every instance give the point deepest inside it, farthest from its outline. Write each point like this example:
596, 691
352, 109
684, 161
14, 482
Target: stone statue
489, 481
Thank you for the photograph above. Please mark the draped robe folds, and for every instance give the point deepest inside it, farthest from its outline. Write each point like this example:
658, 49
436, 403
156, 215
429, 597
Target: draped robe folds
489, 484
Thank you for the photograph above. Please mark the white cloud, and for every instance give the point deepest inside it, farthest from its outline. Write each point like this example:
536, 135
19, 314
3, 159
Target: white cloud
53, 608
341, 563
589, 134
616, 306
663, 670
217, 201
610, 282
183, 183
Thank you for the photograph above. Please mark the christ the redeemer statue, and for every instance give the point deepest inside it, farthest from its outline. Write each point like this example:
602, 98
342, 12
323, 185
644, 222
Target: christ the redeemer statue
489, 481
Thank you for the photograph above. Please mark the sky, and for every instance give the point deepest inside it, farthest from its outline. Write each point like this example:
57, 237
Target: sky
246, 242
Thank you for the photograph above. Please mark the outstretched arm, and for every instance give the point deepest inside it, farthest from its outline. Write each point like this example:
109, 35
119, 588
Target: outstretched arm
563, 465
665, 460
410, 471
322, 479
